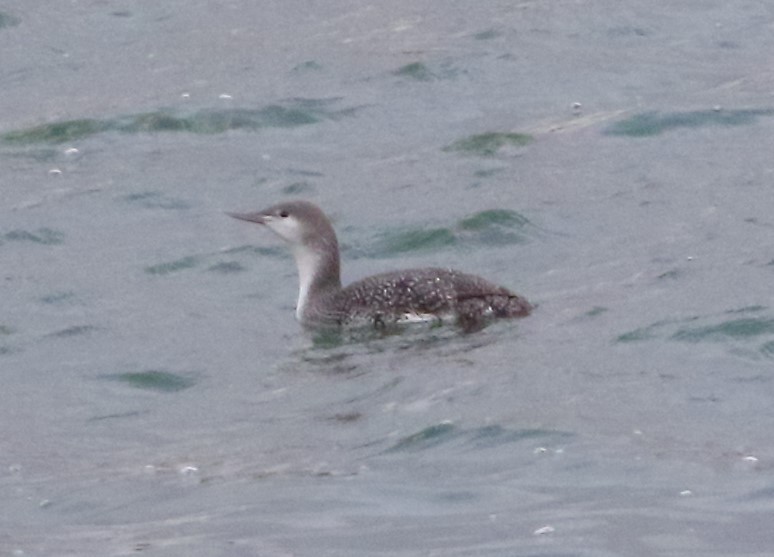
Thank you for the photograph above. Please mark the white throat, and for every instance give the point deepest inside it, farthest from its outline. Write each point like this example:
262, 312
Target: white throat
308, 263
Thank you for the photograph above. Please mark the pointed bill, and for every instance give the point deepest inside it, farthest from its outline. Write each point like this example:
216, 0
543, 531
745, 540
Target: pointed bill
258, 217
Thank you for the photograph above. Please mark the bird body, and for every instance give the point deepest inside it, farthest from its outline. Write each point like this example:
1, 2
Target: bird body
411, 295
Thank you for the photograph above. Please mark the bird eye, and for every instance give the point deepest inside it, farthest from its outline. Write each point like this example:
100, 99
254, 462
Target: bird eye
283, 214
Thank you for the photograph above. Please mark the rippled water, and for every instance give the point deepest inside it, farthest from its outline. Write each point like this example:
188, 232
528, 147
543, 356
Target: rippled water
610, 161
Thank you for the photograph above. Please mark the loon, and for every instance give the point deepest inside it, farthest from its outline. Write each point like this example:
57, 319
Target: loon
412, 295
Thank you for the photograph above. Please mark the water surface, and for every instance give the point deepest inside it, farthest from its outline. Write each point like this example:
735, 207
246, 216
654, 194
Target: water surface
609, 160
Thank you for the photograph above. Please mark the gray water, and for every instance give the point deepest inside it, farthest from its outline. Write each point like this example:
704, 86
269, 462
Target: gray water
611, 161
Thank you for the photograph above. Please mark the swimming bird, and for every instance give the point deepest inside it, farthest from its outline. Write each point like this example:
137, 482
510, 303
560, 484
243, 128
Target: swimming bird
413, 295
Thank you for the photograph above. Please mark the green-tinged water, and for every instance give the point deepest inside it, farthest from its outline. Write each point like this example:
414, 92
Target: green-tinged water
610, 161
45, 236
654, 123
483, 228
153, 380
299, 112
489, 143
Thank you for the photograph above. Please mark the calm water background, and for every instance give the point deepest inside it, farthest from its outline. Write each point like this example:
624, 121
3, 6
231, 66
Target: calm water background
157, 394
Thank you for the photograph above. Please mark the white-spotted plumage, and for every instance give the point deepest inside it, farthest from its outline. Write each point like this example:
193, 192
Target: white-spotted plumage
411, 295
